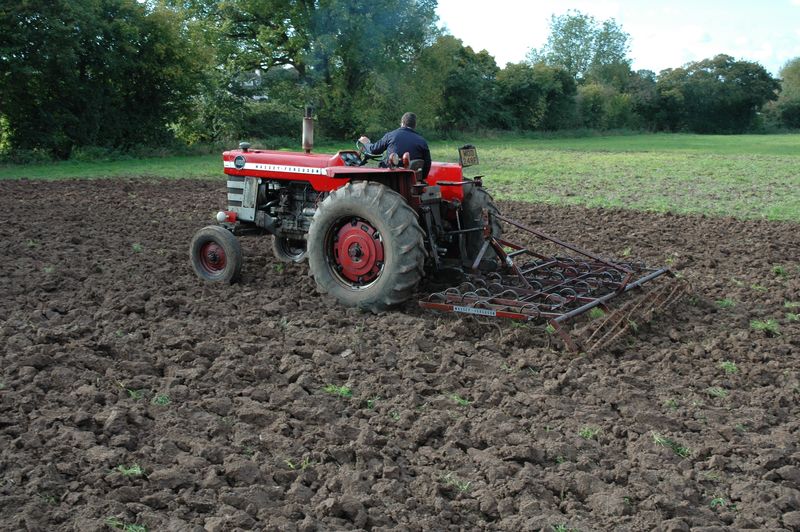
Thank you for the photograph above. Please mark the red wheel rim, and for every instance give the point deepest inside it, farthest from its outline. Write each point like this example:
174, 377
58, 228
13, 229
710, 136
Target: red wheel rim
212, 257
358, 252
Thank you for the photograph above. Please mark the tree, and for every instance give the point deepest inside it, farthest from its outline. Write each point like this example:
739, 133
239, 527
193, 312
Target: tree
535, 96
718, 95
788, 103
110, 73
341, 51
583, 46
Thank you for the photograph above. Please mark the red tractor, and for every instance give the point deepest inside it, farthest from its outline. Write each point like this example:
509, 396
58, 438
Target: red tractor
371, 233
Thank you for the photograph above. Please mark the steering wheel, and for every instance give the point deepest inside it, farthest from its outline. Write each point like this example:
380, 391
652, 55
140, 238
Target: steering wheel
365, 155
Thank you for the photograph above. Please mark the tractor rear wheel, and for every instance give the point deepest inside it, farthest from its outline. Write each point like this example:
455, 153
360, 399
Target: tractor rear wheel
476, 200
216, 255
288, 249
365, 247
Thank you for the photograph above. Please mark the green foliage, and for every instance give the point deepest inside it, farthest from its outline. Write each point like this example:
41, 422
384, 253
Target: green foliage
583, 46
671, 444
714, 95
341, 391
729, 367
770, 326
788, 103
133, 471
109, 73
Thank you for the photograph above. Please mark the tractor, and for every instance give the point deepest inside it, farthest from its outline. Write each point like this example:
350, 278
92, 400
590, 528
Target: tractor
371, 232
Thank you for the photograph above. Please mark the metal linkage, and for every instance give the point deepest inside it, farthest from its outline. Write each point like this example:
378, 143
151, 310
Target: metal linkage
551, 290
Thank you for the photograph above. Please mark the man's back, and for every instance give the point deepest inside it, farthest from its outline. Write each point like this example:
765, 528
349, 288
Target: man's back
402, 140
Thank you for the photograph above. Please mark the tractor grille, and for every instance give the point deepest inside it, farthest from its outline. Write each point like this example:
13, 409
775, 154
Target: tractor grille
242, 192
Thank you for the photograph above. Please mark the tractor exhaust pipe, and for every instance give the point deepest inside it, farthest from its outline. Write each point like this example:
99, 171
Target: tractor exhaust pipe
308, 130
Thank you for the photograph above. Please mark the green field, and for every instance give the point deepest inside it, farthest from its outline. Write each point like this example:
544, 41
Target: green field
745, 176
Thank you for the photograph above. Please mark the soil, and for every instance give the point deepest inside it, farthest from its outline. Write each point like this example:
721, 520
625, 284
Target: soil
114, 354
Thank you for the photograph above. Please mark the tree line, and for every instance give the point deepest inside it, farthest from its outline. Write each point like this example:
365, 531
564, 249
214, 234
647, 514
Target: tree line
118, 74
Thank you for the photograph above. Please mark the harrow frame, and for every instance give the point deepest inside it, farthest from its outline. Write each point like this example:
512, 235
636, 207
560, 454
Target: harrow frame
554, 289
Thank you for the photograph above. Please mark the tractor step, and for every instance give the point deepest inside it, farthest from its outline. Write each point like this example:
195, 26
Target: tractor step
552, 290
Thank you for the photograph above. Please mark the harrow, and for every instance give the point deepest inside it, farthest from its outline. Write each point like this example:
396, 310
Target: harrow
553, 290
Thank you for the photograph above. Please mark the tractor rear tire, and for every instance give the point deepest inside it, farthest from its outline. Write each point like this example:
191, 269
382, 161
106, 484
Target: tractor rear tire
288, 249
365, 247
216, 255
476, 200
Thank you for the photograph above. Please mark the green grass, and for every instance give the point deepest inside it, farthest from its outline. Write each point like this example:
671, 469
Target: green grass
745, 176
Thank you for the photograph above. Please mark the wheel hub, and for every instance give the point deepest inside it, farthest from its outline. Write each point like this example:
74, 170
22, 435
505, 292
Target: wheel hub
212, 257
358, 252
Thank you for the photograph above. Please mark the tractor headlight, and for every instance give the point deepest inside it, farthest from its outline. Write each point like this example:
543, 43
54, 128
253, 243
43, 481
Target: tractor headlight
239, 161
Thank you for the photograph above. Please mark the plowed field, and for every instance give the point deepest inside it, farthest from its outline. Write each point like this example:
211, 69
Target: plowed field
114, 355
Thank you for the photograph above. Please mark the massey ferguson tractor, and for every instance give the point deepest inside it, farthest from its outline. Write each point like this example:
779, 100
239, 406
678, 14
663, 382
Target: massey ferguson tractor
371, 232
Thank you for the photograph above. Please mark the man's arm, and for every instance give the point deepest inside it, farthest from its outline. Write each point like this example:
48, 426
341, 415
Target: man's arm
376, 148
426, 156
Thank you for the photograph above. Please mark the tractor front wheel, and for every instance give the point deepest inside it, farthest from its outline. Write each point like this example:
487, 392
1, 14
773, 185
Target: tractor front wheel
216, 255
365, 247
288, 249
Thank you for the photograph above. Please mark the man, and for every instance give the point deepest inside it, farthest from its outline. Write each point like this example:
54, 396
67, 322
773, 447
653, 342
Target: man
403, 140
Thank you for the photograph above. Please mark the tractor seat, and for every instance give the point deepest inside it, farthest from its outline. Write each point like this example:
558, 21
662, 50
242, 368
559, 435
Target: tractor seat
418, 165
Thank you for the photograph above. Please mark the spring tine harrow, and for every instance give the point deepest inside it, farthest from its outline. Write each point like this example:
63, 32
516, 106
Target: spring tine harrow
551, 290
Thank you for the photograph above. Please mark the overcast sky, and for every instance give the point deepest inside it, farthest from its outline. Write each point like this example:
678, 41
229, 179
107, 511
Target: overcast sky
663, 34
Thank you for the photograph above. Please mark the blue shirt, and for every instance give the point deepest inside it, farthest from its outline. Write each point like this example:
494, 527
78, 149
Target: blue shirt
404, 140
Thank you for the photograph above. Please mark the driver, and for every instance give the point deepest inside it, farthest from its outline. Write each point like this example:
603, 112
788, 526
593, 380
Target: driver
402, 140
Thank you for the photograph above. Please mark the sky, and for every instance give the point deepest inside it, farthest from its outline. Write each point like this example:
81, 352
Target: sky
663, 34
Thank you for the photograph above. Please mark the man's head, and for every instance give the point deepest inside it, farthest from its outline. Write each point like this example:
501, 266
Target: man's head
409, 120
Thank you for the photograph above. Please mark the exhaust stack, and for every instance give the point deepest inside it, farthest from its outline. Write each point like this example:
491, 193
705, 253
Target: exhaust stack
308, 131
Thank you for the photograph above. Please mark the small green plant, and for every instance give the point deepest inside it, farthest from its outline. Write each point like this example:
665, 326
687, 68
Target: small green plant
48, 498
737, 282
671, 444
279, 267
133, 471
758, 287
505, 367
30, 243
137, 247
672, 404
460, 401
395, 415
779, 270
589, 433
450, 480
716, 391
712, 476
372, 402
792, 316
550, 329
48, 269
596, 313
161, 399
626, 252
791, 304
770, 327
633, 325
304, 464
726, 303
729, 367
563, 528
118, 524
341, 391
135, 394
560, 459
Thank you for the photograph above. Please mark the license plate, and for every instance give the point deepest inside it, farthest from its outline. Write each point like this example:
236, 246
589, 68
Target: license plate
468, 156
